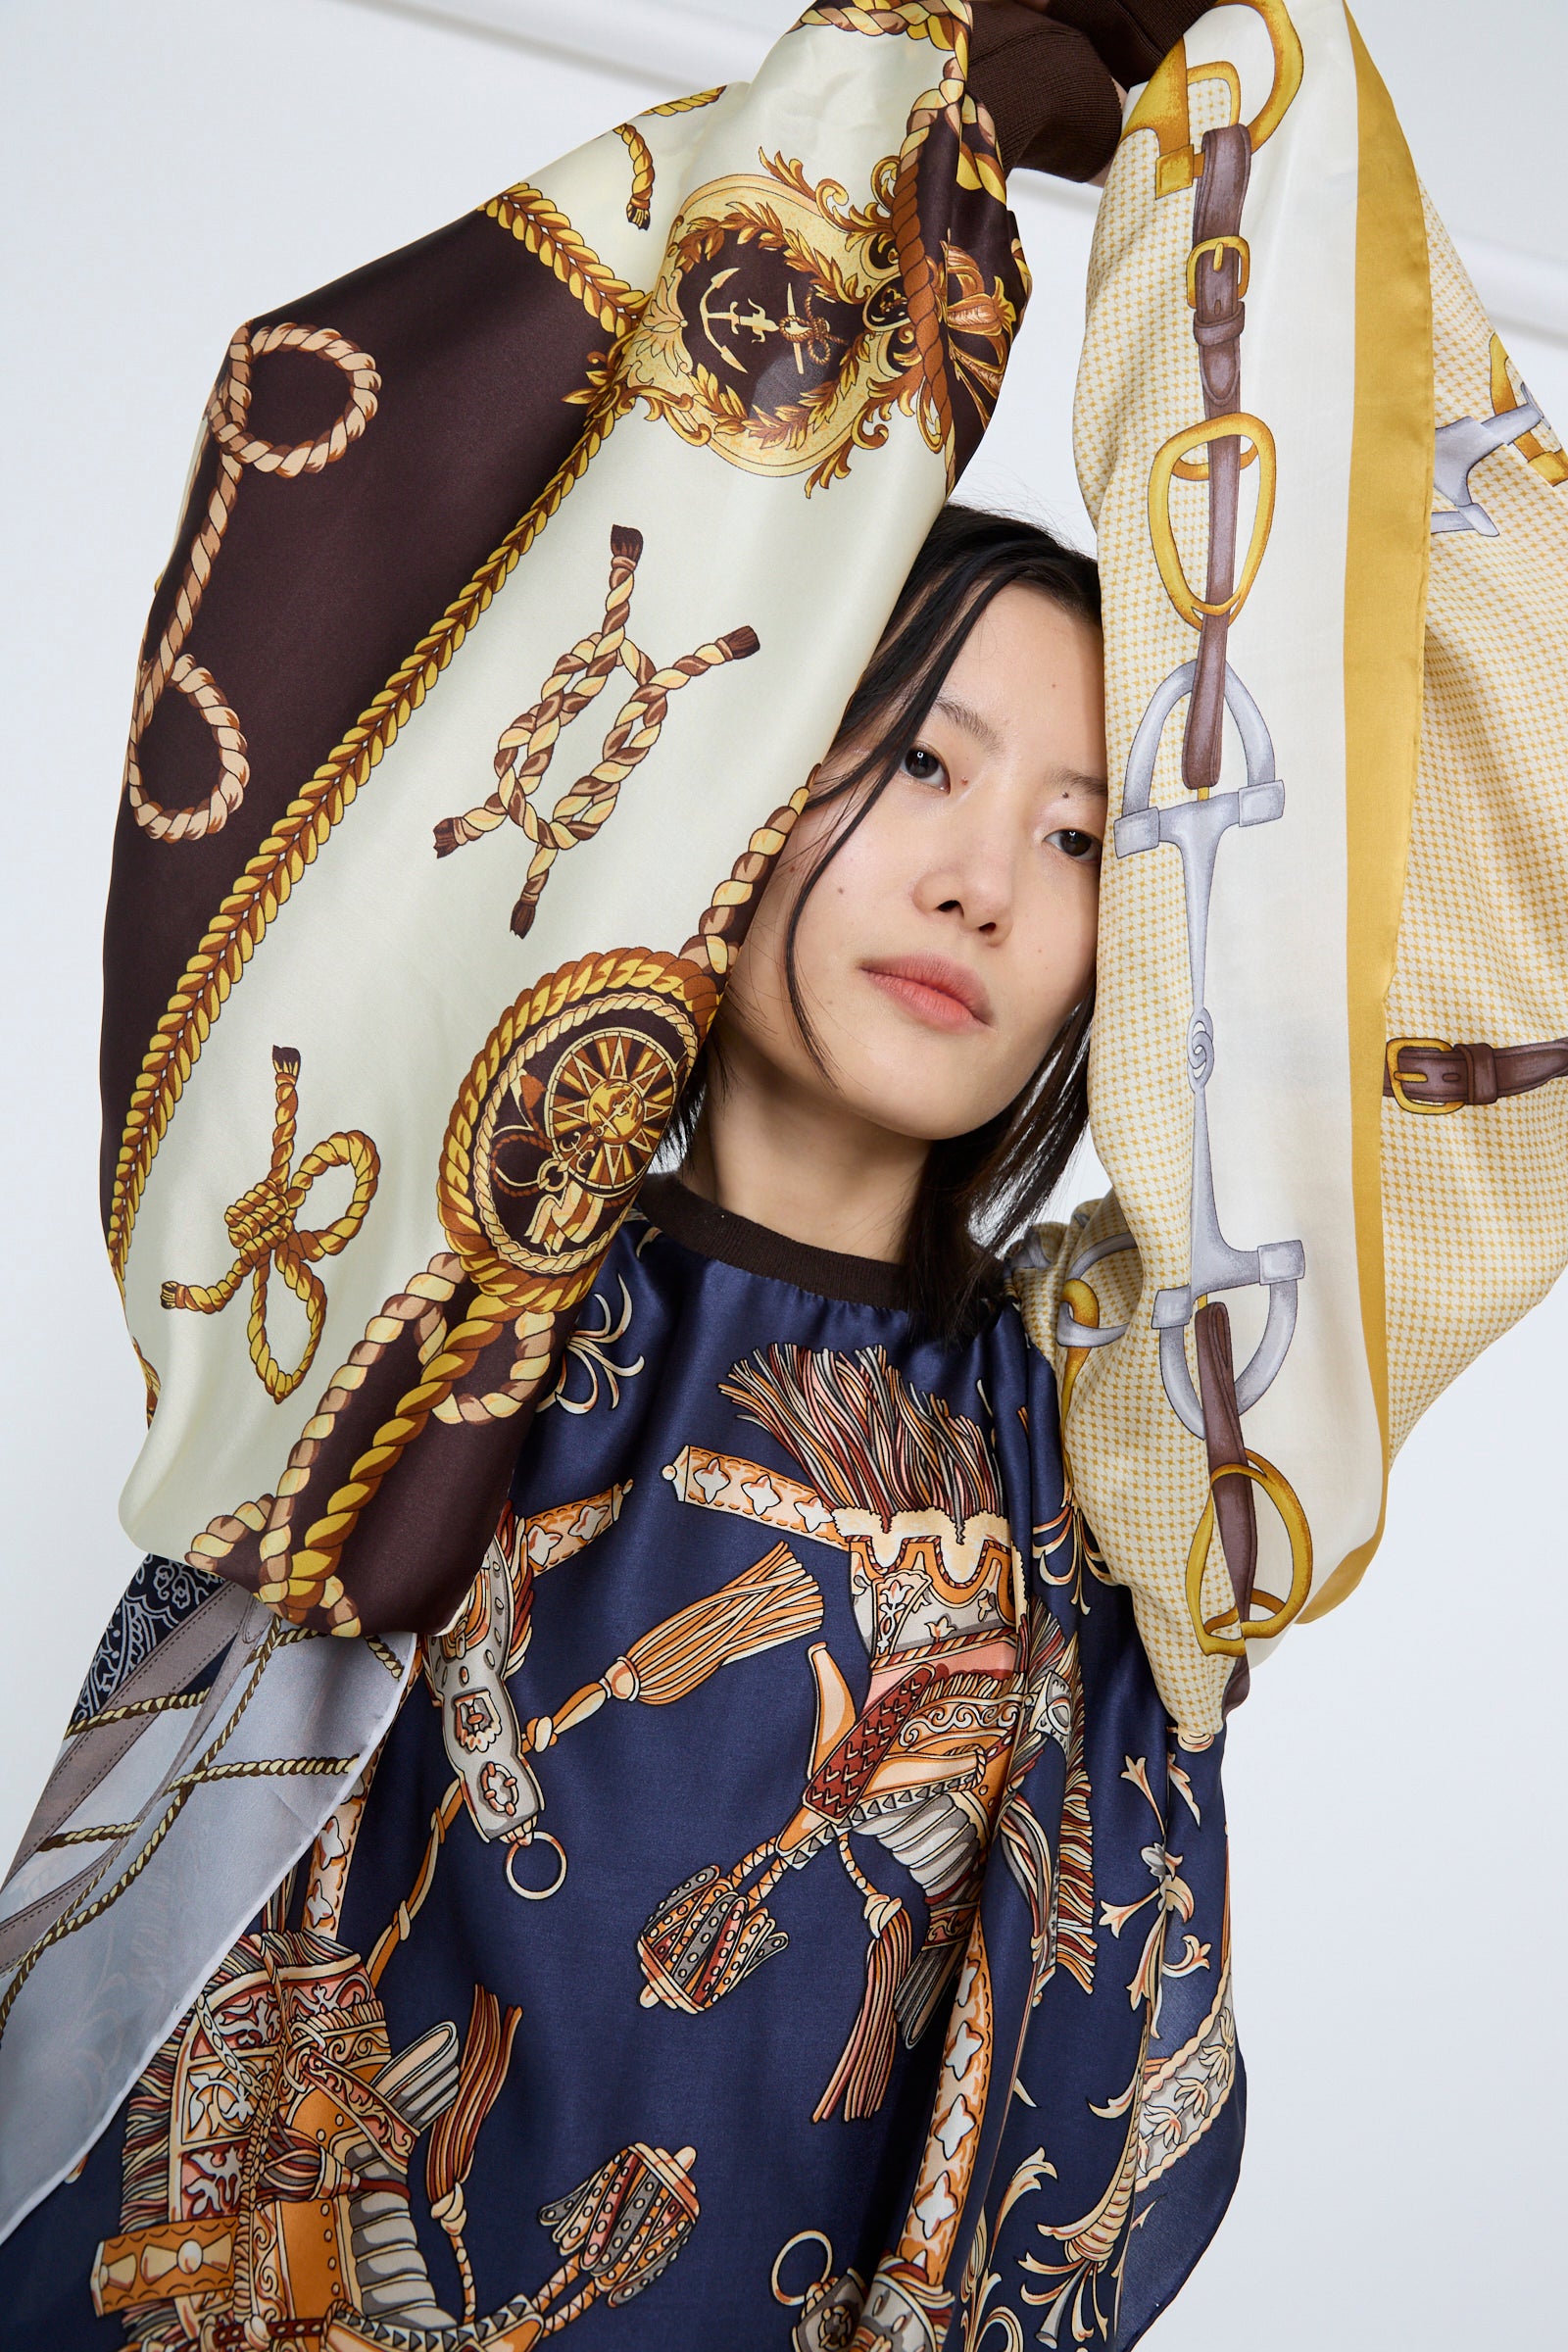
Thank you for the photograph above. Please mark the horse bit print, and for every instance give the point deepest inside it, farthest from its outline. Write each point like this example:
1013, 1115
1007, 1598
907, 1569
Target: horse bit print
1214, 451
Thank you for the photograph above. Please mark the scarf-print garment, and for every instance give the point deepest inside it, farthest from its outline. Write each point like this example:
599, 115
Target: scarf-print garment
781, 1900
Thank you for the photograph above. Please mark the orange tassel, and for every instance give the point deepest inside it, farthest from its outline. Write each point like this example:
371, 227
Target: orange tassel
861, 2077
769, 1602
486, 2055
773, 1601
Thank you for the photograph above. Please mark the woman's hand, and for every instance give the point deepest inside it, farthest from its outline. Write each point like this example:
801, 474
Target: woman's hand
1053, 73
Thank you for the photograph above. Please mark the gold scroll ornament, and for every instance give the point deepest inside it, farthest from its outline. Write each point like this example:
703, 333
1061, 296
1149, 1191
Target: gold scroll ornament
783, 335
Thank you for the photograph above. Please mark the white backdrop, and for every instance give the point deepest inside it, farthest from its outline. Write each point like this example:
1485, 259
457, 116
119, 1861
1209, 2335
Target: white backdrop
170, 166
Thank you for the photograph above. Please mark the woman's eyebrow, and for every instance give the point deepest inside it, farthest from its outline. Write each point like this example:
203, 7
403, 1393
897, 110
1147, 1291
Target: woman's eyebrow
969, 719
966, 717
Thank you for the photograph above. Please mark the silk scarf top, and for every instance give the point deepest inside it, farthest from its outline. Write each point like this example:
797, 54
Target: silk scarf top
769, 1893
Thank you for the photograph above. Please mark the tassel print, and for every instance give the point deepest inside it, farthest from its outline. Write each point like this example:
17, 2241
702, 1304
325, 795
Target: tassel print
769, 1602
861, 2077
486, 2055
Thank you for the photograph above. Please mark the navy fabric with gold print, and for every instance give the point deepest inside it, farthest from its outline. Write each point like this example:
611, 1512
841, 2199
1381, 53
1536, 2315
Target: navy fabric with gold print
780, 1902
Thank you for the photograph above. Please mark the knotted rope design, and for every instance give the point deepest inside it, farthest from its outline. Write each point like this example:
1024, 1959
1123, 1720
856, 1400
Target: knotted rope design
263, 1227
227, 420
241, 922
527, 747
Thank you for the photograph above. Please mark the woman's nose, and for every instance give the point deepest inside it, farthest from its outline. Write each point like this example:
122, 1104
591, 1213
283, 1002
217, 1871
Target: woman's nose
981, 902
974, 889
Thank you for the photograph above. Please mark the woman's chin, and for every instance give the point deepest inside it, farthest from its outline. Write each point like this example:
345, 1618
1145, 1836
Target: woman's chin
929, 1105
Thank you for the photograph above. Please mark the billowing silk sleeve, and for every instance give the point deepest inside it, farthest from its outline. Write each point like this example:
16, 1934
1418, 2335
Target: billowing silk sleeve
522, 577
1331, 1023
447, 798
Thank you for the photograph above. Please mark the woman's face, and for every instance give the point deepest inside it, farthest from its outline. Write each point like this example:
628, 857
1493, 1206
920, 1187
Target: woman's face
950, 937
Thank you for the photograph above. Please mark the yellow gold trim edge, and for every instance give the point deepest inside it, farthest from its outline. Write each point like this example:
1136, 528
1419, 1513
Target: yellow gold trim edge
1387, 551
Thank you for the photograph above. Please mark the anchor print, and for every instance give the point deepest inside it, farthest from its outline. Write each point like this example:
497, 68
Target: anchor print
806, 336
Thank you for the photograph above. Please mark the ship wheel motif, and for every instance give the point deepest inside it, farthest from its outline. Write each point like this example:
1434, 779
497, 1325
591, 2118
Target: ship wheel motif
565, 1110
605, 1109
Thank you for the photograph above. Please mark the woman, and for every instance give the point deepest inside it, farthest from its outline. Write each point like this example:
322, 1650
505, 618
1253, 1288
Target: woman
813, 1755
875, 1981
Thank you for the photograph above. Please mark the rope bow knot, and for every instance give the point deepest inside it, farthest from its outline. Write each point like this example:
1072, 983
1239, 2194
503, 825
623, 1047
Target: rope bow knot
263, 1227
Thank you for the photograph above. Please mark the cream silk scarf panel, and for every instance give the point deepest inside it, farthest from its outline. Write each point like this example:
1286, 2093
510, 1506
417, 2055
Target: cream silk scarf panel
522, 579
421, 1050
1334, 946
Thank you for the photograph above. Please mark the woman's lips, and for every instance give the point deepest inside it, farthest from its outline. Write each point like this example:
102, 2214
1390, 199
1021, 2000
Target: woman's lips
942, 995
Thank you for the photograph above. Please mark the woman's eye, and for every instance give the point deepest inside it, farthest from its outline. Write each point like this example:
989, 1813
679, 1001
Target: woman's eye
924, 766
1073, 844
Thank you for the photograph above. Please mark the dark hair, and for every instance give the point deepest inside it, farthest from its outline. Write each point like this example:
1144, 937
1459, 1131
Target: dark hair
978, 1190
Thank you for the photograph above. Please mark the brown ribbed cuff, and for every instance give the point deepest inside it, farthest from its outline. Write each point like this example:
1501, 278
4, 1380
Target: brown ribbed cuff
1130, 36
1053, 102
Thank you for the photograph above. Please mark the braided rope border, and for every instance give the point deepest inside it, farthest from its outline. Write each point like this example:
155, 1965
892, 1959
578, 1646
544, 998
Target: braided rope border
421, 1303
948, 29
545, 231
913, 18
687, 106
713, 940
923, 282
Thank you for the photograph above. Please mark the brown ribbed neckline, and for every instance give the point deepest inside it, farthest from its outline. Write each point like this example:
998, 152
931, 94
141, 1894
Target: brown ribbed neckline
708, 1231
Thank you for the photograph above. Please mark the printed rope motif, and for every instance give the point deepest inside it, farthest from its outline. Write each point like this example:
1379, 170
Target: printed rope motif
263, 1226
926, 280
546, 232
88, 1903
910, 18
639, 204
269, 878
228, 413
527, 747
